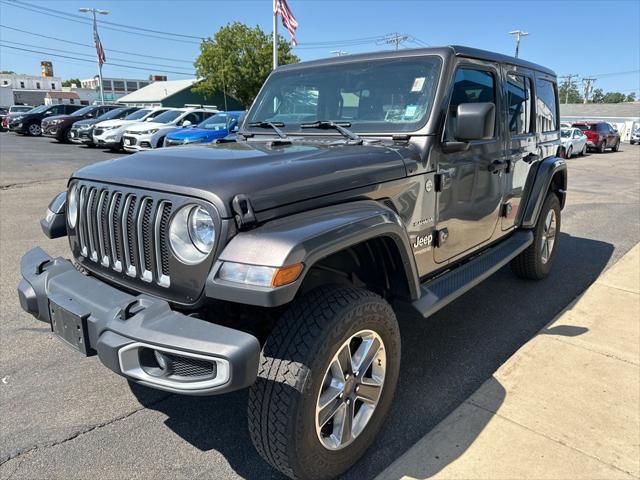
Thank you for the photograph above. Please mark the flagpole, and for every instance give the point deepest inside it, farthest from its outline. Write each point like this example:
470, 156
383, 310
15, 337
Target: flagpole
275, 35
95, 25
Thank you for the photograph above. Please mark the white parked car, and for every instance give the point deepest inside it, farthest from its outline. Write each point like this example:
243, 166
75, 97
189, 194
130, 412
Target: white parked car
635, 136
574, 142
108, 134
148, 135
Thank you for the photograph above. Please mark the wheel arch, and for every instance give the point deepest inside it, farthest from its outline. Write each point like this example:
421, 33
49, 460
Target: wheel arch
551, 175
366, 232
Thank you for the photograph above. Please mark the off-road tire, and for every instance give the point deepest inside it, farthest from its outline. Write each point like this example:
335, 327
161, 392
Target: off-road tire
529, 263
294, 359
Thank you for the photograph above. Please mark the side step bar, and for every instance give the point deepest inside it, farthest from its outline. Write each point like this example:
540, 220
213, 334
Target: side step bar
444, 289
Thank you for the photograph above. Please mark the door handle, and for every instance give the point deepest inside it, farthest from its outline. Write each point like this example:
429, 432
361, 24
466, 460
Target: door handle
497, 166
532, 157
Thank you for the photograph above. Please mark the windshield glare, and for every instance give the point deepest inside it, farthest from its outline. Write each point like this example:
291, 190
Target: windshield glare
390, 95
137, 114
168, 117
115, 113
40, 109
82, 111
219, 121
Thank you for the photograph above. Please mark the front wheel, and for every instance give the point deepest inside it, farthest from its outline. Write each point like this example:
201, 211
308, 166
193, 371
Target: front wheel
569, 152
535, 262
34, 130
326, 381
583, 152
65, 137
616, 147
602, 146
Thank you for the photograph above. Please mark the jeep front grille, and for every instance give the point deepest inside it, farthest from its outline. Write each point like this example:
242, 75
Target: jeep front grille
126, 232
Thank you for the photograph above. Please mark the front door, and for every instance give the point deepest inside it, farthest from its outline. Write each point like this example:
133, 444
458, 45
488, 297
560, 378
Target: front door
470, 194
522, 148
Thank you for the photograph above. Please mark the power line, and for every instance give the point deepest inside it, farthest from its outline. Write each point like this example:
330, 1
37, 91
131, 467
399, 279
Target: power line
93, 46
395, 39
102, 22
587, 82
569, 85
87, 55
91, 61
13, 4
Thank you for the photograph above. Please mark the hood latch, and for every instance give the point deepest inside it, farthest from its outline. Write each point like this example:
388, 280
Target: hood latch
245, 218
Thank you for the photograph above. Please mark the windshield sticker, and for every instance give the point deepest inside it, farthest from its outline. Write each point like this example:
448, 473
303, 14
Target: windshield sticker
410, 111
418, 84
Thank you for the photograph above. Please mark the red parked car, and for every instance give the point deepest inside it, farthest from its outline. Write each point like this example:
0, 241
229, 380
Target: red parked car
600, 136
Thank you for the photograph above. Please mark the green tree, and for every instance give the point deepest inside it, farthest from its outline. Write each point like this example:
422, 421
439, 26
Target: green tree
614, 97
8, 72
569, 94
631, 97
237, 61
67, 83
597, 96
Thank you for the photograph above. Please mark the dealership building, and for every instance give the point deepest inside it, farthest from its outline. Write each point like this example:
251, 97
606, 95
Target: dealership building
625, 116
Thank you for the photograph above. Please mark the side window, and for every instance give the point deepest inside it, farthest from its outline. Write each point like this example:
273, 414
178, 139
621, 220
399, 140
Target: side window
519, 102
470, 86
546, 108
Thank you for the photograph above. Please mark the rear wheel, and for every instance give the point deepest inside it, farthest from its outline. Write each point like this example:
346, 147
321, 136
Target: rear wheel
602, 147
66, 136
34, 130
583, 152
536, 261
569, 152
326, 381
616, 147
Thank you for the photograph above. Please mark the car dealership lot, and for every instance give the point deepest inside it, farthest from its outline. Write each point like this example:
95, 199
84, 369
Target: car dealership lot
66, 416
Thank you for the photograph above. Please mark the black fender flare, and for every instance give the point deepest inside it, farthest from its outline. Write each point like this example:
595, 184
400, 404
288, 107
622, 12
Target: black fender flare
308, 237
547, 169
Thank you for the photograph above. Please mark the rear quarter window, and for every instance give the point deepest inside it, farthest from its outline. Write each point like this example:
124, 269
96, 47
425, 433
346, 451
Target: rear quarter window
546, 106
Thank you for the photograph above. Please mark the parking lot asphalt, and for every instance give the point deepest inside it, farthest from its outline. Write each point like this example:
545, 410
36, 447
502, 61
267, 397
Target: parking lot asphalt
65, 416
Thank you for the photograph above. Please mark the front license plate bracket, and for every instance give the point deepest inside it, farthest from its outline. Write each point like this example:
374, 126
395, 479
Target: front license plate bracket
71, 328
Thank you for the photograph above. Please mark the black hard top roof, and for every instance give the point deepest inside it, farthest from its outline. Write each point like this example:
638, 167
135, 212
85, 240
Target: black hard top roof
446, 51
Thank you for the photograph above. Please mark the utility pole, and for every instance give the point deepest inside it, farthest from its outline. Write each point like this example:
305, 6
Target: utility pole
396, 39
587, 82
95, 25
338, 53
568, 84
519, 34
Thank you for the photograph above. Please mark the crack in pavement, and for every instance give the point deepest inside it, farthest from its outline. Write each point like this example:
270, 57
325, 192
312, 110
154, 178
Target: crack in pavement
20, 453
11, 186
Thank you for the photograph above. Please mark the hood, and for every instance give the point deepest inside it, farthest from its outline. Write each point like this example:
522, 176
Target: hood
88, 121
62, 117
270, 176
144, 126
197, 134
116, 123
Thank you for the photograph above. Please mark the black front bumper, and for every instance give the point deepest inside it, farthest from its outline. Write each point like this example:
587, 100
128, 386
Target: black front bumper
120, 327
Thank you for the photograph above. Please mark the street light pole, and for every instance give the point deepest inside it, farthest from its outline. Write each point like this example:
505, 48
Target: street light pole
101, 12
519, 34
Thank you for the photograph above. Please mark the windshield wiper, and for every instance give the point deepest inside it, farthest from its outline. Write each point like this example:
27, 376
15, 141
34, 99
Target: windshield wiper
274, 125
339, 126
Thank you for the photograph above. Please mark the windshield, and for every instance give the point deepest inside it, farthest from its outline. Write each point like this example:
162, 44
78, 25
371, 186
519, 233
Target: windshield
390, 95
16, 108
83, 111
219, 121
40, 109
115, 113
137, 115
587, 127
168, 117
565, 133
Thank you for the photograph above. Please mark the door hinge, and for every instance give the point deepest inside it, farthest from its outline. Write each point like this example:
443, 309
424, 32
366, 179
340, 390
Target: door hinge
442, 181
440, 237
244, 215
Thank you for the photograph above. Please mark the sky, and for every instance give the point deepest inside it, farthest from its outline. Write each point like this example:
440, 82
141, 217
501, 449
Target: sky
587, 38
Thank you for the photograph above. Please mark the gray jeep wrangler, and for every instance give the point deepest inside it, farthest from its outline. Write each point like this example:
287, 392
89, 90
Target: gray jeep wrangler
275, 260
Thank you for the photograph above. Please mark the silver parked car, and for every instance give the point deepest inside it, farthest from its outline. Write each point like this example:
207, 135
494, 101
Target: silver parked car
573, 142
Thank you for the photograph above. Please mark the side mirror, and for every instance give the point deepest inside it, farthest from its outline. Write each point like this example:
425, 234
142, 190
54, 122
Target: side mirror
186, 123
476, 121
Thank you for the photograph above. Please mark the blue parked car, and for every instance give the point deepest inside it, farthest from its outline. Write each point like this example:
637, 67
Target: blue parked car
217, 126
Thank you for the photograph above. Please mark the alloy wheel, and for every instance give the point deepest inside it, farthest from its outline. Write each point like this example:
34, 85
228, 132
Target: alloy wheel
34, 129
350, 390
548, 236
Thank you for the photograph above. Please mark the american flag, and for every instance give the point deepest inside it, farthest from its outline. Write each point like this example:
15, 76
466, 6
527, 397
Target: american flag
288, 20
99, 50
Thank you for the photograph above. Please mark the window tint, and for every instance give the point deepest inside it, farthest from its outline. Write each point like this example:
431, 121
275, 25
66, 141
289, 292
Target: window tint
519, 101
470, 86
546, 109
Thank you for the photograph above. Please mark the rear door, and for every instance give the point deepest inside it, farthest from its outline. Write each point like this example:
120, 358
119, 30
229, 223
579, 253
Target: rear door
522, 147
470, 194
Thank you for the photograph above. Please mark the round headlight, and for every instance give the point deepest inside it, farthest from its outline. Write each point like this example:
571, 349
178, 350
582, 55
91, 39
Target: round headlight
192, 234
201, 229
72, 206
